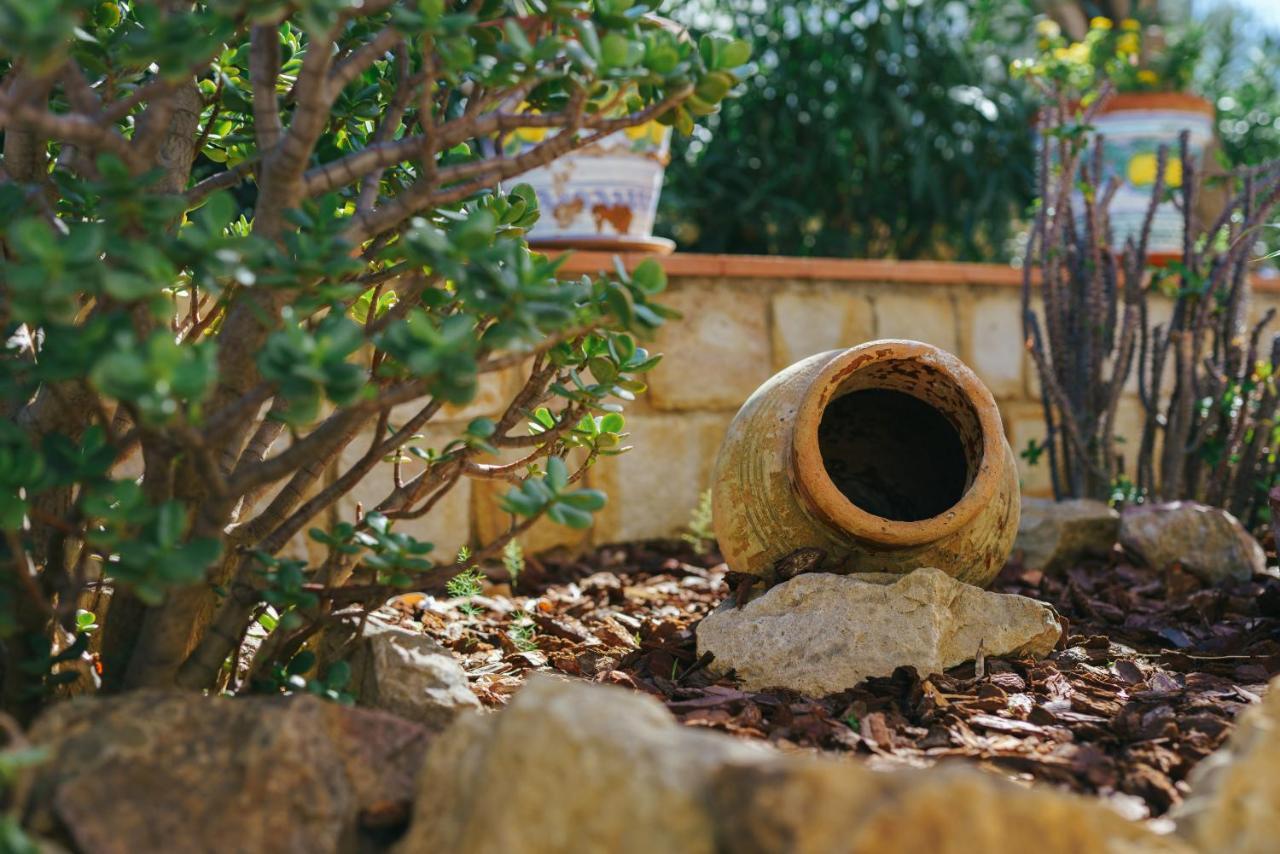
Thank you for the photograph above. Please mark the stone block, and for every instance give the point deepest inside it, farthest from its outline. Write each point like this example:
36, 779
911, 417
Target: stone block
1024, 422
655, 487
919, 313
813, 320
996, 353
493, 392
718, 354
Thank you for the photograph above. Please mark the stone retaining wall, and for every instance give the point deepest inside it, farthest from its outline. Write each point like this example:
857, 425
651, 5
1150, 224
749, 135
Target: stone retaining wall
745, 318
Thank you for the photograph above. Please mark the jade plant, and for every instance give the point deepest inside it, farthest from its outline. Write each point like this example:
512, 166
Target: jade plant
239, 237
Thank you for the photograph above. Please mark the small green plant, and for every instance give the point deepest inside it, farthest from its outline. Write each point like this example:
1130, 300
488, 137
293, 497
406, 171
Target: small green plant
466, 585
852, 722
699, 533
1032, 452
292, 678
1124, 492
513, 561
86, 621
523, 632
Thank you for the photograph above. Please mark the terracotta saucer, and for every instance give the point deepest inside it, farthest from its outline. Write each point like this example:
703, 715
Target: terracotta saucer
606, 243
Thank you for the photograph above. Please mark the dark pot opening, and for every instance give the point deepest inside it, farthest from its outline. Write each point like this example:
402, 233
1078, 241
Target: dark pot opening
894, 455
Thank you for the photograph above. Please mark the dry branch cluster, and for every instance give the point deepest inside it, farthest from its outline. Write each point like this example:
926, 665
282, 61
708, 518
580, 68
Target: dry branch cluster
1204, 377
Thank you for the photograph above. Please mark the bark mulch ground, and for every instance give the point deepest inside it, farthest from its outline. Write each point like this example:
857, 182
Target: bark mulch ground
1148, 680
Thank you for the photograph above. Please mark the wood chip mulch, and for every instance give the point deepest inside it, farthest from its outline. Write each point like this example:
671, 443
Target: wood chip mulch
1148, 681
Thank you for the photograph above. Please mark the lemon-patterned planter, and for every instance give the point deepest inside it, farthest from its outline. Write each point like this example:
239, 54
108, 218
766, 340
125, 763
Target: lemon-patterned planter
602, 196
1134, 126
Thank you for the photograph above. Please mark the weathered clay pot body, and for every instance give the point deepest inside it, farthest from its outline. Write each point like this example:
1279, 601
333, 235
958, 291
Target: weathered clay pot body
888, 456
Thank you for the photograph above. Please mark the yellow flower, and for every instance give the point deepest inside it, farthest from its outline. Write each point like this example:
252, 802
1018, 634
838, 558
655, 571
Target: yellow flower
1141, 170
1100, 23
1146, 75
1130, 25
1127, 44
651, 132
532, 134
1048, 28
1077, 53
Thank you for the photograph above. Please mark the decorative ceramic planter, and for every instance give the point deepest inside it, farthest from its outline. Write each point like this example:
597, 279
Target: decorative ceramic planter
603, 196
1134, 126
888, 456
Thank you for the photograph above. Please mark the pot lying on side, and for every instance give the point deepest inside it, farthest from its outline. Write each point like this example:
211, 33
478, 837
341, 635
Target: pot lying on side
603, 196
888, 456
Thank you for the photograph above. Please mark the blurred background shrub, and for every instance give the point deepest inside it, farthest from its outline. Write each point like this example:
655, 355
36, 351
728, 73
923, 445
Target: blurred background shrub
1240, 73
892, 128
872, 129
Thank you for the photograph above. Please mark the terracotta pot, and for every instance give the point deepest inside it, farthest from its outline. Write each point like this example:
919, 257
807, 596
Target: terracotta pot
888, 456
603, 196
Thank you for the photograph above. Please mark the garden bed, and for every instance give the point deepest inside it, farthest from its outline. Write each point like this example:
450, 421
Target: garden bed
1150, 676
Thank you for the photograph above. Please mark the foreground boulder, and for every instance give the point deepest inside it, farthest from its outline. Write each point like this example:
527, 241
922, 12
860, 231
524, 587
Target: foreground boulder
401, 670
1206, 541
571, 767
820, 633
1234, 803
158, 771
796, 804
1055, 535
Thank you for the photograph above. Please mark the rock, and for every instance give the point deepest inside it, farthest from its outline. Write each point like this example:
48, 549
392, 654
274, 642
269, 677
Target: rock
807, 806
820, 633
570, 766
402, 671
1206, 541
1234, 803
159, 771
1054, 535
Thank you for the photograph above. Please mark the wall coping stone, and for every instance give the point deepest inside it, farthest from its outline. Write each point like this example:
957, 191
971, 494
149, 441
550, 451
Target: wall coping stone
691, 264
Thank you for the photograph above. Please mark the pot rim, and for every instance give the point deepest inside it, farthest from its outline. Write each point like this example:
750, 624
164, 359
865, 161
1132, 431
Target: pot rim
1179, 102
825, 498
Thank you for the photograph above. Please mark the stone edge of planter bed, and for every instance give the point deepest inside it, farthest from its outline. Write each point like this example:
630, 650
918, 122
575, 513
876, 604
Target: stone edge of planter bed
572, 766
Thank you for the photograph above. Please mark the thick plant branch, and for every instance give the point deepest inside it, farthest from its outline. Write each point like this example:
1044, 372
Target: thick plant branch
318, 443
224, 180
224, 633
359, 60
71, 127
264, 69
378, 448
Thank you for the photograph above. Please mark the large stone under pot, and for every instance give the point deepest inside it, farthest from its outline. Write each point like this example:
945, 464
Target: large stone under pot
887, 457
